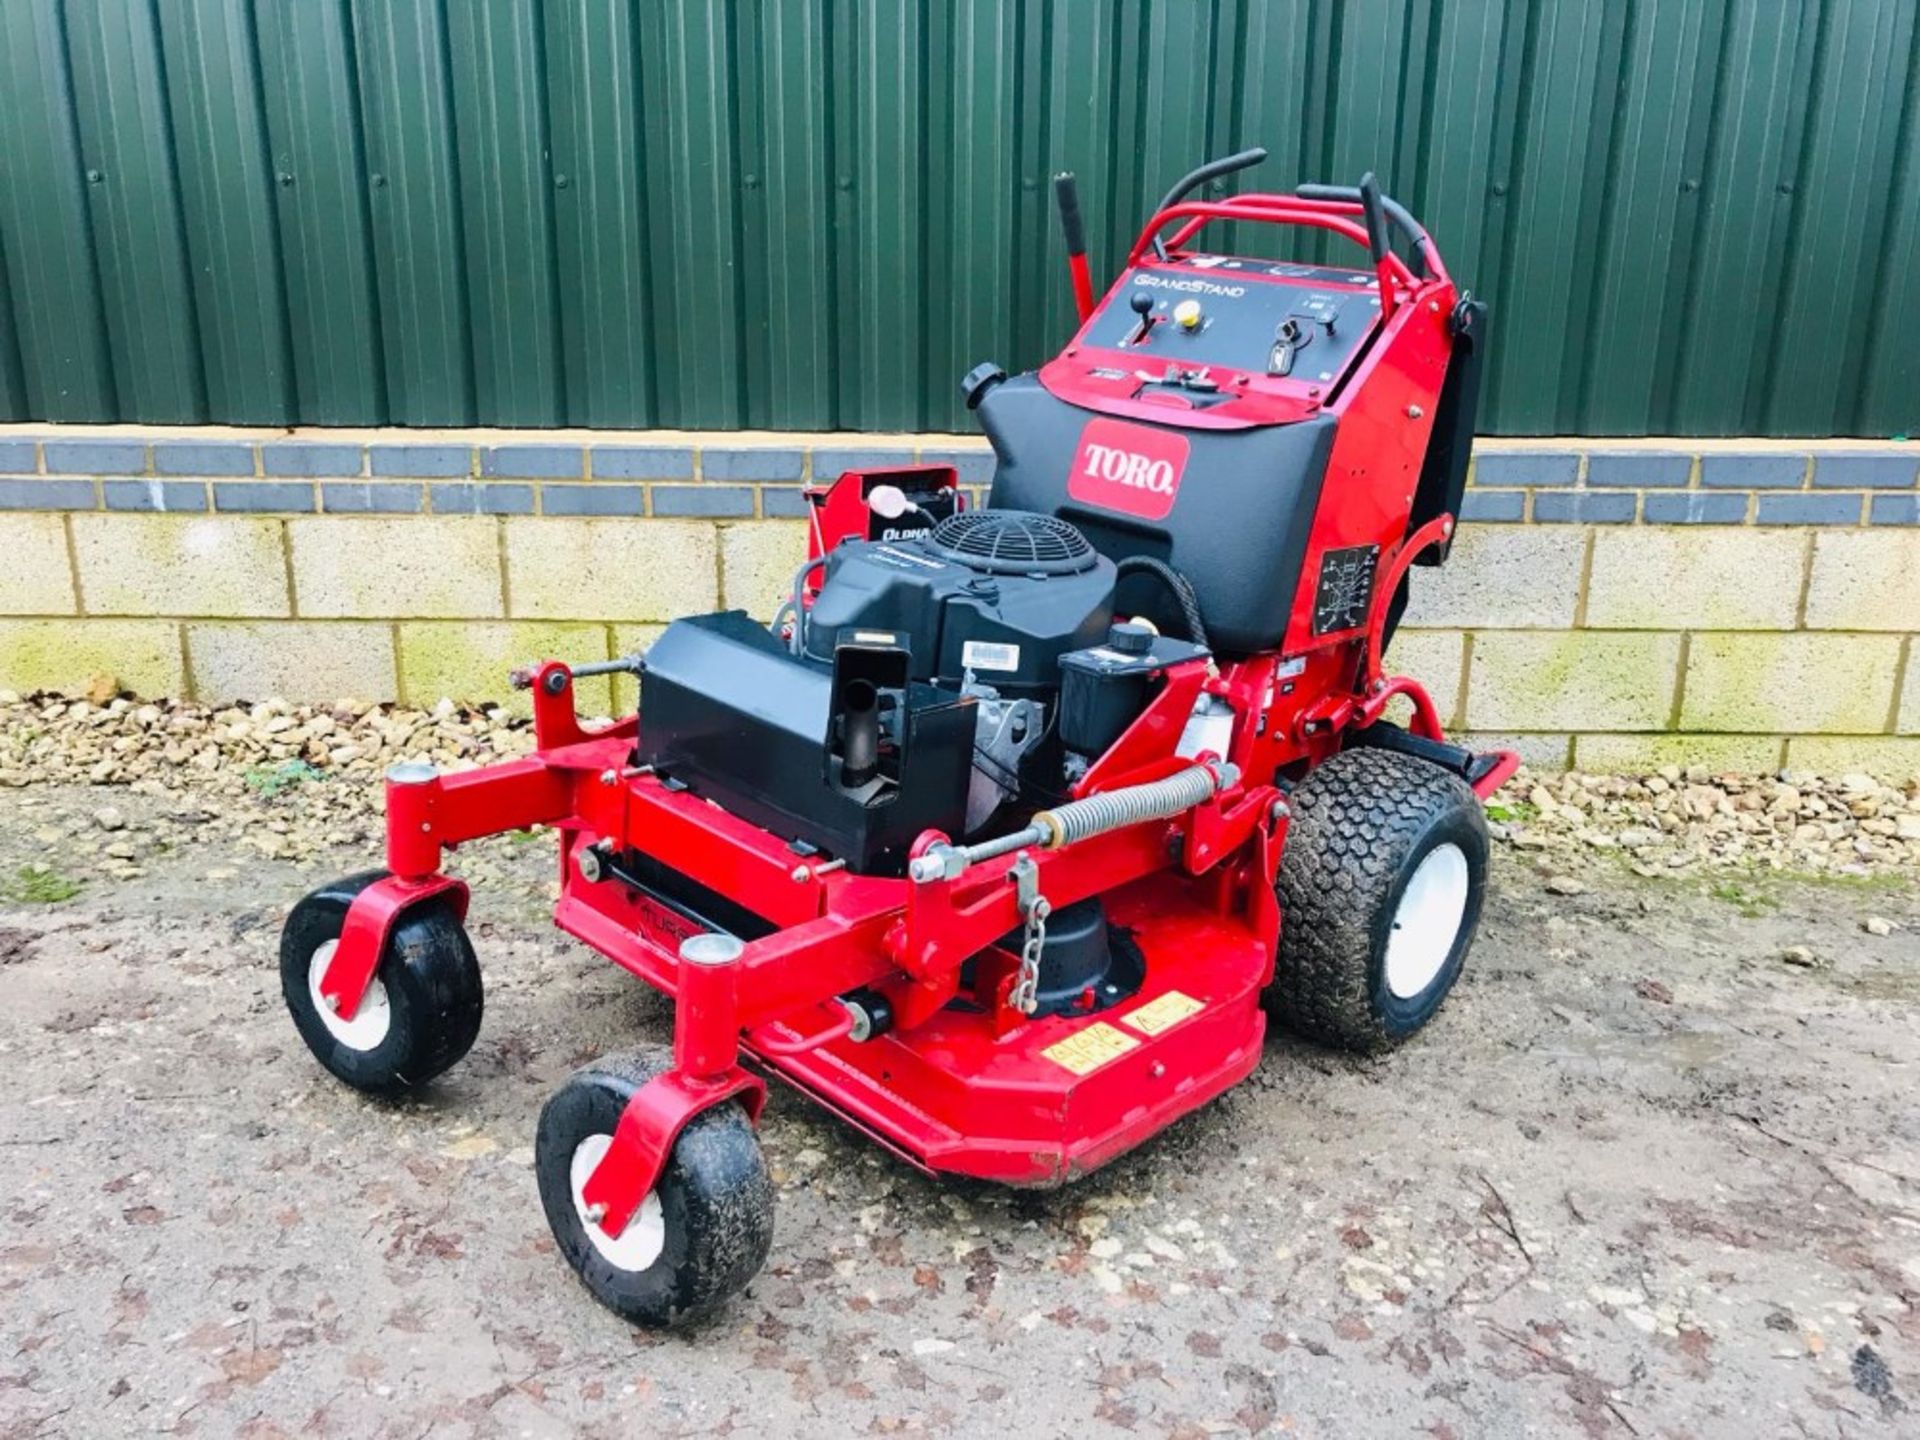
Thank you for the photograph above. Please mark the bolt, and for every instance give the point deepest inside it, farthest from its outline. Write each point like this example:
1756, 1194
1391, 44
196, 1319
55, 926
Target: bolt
1157, 1070
609, 777
1280, 810
1414, 412
332, 1002
597, 1212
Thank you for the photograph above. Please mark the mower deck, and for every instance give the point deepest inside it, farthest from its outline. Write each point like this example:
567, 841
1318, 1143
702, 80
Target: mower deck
1062, 1094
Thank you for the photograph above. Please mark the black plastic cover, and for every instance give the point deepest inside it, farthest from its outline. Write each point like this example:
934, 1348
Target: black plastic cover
1104, 689
1238, 524
727, 711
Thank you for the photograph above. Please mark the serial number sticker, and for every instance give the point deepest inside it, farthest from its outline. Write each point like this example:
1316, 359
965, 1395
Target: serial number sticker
1087, 1050
989, 655
1162, 1014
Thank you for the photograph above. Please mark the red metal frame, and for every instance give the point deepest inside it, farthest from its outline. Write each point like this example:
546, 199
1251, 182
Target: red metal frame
964, 1082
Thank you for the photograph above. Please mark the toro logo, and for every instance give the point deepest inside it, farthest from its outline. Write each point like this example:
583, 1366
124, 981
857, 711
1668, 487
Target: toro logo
1128, 468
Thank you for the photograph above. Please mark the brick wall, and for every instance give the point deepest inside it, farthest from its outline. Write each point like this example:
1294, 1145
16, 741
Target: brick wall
1611, 604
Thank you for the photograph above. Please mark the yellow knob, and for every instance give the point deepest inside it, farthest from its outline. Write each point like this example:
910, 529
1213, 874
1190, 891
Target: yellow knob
1187, 314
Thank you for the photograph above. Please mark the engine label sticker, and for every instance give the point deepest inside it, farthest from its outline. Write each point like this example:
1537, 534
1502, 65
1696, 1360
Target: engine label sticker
1133, 469
989, 655
1162, 1013
1087, 1050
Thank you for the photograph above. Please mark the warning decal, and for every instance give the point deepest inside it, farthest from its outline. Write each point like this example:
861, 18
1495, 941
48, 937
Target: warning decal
1087, 1050
1163, 1013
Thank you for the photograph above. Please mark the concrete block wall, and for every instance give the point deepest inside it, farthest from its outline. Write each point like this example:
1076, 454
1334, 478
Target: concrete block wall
1609, 604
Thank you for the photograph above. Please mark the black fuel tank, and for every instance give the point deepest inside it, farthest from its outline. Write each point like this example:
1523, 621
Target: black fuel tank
1234, 519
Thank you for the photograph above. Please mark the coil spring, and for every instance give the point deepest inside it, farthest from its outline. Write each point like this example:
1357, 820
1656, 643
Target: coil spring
1155, 800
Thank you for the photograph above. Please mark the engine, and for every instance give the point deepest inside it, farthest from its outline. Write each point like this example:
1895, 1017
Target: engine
955, 678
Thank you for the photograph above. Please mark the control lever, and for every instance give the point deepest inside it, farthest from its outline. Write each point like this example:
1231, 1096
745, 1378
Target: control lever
1141, 303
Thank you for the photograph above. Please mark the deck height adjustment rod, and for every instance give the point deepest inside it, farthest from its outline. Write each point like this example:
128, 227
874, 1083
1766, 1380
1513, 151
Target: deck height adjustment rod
521, 677
1081, 819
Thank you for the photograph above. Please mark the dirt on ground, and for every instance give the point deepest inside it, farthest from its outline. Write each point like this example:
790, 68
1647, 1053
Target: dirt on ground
1653, 1171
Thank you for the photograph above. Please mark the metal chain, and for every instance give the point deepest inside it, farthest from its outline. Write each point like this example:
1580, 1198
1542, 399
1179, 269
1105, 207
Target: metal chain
1025, 996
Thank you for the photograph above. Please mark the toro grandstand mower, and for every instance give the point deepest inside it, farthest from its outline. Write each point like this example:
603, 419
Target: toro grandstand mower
998, 841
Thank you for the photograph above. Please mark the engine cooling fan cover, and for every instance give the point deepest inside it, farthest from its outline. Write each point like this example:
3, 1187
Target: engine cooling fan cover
1013, 542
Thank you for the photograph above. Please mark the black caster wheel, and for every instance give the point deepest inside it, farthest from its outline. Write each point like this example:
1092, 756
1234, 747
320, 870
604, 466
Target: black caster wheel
1380, 892
702, 1232
421, 1011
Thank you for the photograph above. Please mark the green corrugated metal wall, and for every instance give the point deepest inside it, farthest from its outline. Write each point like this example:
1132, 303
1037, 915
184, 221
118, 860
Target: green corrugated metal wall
1692, 216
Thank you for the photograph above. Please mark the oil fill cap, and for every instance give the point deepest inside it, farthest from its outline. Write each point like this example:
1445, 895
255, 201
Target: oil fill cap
1130, 637
1187, 314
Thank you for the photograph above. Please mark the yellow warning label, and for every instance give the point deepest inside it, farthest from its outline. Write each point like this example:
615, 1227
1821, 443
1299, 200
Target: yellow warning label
1087, 1050
1163, 1014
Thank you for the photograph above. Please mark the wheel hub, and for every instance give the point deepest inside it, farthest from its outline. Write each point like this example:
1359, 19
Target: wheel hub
370, 1021
640, 1244
1427, 920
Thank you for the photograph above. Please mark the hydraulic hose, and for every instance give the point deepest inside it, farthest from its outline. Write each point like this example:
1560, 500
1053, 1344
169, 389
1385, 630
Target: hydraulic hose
1178, 586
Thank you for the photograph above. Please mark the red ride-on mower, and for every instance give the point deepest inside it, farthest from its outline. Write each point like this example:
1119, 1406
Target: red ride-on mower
1005, 838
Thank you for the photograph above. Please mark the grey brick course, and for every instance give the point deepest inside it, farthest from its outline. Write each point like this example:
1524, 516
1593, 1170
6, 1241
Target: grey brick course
491, 499
94, 457
1753, 472
1596, 507
1894, 471
16, 457
308, 459
420, 461
1639, 471
535, 462
783, 503
1895, 510
751, 462
592, 500
1698, 507
167, 495
1493, 506
202, 457
975, 466
829, 462
713, 501
270, 495
369, 499
1527, 467
1808, 510
641, 462
46, 494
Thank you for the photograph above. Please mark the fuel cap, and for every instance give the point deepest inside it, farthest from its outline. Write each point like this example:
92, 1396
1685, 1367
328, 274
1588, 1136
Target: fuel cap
1130, 638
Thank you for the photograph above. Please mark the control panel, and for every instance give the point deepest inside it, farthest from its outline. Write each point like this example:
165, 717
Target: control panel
1247, 318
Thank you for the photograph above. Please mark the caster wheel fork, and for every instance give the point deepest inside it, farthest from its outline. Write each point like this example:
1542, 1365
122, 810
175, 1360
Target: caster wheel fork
698, 1236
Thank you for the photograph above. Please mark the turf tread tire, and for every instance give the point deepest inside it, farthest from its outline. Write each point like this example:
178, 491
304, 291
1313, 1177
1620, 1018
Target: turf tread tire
1361, 821
715, 1192
433, 983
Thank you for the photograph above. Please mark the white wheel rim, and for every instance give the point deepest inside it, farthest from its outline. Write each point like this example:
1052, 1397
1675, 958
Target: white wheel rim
370, 1021
1427, 921
639, 1245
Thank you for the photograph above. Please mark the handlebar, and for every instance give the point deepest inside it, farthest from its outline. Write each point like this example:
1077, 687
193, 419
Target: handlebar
1199, 176
1403, 221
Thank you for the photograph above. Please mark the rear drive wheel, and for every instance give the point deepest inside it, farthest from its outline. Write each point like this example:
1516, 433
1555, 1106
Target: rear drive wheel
421, 1011
703, 1231
1380, 892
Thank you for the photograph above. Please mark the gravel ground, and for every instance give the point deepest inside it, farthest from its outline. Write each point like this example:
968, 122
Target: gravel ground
1655, 1170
